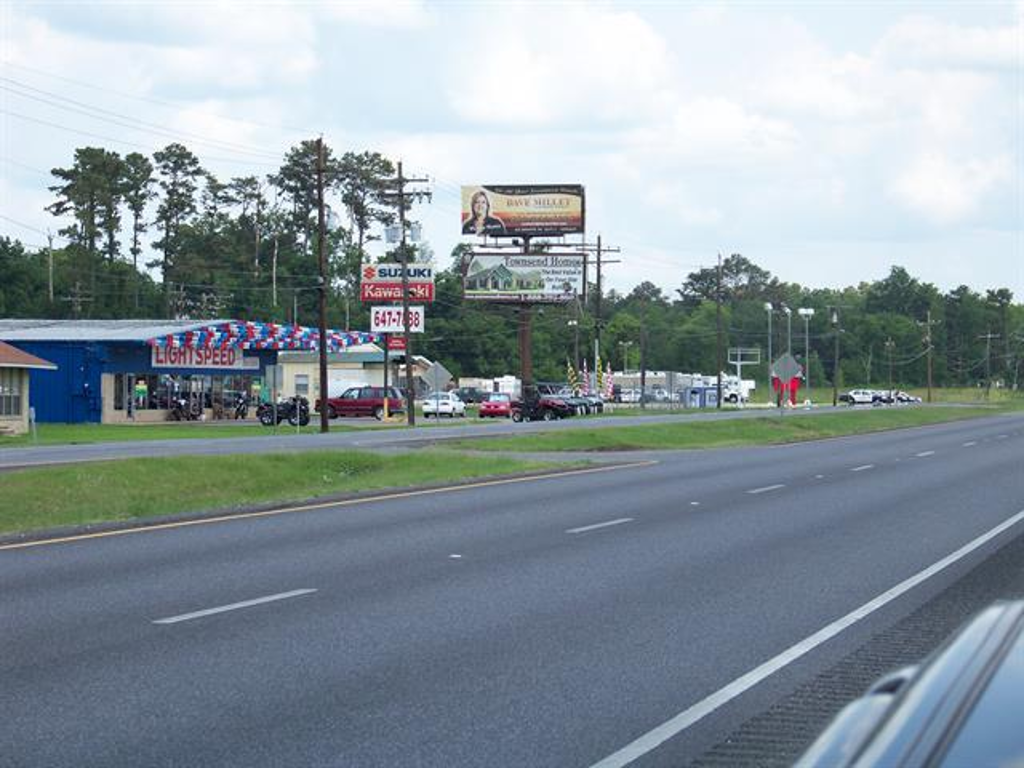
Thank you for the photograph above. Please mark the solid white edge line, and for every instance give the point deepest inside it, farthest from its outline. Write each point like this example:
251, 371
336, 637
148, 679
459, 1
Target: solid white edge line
766, 489
594, 527
740, 685
233, 606
862, 467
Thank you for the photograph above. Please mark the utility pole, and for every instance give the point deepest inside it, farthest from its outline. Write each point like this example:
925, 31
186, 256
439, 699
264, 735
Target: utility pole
718, 320
988, 361
322, 250
928, 348
49, 260
598, 322
400, 200
76, 299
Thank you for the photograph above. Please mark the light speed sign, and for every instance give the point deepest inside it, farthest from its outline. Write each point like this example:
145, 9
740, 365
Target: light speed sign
389, 320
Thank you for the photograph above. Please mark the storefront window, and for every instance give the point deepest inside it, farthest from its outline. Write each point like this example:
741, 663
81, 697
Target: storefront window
302, 384
10, 392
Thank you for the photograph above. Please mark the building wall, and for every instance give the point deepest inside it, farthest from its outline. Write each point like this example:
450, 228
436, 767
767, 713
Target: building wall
82, 387
354, 374
18, 424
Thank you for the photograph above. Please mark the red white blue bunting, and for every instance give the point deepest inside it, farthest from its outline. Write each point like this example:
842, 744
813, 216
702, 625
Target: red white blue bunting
253, 335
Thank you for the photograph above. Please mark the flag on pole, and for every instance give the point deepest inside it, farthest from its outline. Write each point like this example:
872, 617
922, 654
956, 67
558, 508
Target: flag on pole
571, 377
585, 379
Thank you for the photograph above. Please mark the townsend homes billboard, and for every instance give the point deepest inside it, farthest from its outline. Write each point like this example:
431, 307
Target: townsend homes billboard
533, 277
525, 210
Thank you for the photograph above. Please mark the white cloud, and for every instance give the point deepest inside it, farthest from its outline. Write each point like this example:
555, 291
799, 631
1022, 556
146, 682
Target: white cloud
945, 191
924, 40
715, 131
379, 13
578, 63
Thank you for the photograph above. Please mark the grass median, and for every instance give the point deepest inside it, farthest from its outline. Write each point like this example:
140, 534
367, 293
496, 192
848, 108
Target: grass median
83, 434
135, 489
767, 430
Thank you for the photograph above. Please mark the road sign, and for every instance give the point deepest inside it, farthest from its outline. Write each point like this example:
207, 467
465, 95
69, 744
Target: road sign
396, 343
389, 320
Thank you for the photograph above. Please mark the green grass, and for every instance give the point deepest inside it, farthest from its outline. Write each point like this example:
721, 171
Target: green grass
767, 430
133, 489
78, 434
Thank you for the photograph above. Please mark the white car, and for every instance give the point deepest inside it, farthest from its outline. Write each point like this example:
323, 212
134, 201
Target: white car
862, 396
438, 404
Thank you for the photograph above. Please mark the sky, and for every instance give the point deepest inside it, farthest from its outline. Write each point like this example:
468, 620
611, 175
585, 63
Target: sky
825, 141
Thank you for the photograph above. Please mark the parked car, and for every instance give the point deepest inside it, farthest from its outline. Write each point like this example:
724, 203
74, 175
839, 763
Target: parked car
439, 404
629, 396
498, 405
861, 396
364, 401
471, 394
546, 408
961, 707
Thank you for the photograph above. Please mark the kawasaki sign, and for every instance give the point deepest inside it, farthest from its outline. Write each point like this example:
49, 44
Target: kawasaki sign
383, 282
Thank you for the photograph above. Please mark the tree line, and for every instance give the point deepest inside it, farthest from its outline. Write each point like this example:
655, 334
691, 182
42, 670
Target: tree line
162, 236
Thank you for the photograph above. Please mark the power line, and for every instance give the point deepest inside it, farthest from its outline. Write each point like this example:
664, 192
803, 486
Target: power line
127, 121
159, 102
132, 144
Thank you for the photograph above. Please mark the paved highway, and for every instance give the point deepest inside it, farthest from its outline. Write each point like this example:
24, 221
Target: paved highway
630, 615
367, 438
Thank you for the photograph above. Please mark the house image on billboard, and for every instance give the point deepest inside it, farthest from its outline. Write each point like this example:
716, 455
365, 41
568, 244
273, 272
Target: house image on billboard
500, 278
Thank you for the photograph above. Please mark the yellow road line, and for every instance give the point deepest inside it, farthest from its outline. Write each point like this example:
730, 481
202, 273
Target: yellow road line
324, 505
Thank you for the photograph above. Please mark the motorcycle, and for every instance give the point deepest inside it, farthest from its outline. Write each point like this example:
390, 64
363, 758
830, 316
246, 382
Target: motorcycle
184, 409
241, 406
294, 410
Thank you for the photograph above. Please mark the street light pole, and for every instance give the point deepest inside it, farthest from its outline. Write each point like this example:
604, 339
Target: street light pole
807, 313
835, 357
769, 308
789, 328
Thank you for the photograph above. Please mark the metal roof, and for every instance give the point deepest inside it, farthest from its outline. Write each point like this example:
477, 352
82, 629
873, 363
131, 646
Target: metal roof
96, 330
12, 357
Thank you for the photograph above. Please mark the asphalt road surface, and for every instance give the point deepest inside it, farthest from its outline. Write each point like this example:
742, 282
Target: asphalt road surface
367, 439
632, 615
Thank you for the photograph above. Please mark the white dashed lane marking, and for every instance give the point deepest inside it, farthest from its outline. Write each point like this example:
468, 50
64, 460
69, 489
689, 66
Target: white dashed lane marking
767, 488
234, 606
595, 526
862, 467
922, 454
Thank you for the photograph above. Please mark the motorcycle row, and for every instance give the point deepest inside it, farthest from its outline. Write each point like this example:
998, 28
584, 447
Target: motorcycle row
294, 410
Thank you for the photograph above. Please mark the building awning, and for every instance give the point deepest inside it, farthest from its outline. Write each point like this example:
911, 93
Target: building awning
12, 357
236, 334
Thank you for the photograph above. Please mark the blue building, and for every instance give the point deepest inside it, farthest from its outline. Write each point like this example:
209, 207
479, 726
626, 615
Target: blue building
129, 371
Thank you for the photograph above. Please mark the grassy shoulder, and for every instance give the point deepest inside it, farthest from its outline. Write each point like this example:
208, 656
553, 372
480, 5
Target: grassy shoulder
81, 434
134, 489
767, 430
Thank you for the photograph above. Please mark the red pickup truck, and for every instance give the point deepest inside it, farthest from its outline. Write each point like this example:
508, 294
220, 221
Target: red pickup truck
363, 401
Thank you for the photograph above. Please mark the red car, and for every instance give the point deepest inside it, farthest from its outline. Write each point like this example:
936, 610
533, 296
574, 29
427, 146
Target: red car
497, 405
363, 401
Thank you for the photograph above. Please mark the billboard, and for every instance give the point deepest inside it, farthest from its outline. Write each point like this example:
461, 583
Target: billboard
523, 210
383, 282
528, 277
